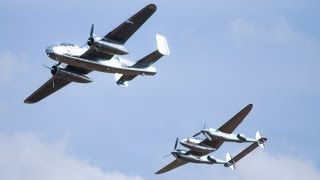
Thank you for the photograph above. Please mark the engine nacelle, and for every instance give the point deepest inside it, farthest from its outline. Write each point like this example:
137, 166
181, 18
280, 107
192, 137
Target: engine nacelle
212, 159
242, 137
71, 76
109, 47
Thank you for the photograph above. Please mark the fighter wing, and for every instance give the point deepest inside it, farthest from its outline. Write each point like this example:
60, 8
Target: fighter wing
174, 164
229, 126
46, 89
123, 32
233, 123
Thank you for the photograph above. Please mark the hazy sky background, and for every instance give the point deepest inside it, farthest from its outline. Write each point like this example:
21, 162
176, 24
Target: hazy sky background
225, 54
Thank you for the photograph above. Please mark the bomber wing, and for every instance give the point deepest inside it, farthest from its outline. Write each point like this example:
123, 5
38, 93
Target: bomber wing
46, 89
174, 164
228, 127
123, 32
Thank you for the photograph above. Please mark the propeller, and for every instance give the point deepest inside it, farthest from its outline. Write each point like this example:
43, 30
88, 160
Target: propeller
90, 40
173, 153
53, 70
198, 133
176, 144
204, 132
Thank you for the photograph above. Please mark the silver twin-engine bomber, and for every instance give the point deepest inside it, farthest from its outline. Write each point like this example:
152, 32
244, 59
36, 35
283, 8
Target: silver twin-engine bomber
102, 54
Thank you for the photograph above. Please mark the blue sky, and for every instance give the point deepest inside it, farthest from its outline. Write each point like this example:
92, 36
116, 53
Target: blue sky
224, 55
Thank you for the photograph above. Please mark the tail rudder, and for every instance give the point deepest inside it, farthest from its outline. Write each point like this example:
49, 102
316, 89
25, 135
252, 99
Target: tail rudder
260, 140
230, 162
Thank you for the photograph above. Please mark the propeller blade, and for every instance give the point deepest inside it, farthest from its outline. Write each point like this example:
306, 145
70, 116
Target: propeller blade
207, 136
91, 30
46, 66
176, 144
166, 155
197, 134
53, 82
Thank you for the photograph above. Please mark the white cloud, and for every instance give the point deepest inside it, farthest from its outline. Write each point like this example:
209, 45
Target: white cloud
25, 156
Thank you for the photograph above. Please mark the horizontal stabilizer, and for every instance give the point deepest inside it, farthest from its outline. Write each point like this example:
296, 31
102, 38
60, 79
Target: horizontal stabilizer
162, 50
243, 153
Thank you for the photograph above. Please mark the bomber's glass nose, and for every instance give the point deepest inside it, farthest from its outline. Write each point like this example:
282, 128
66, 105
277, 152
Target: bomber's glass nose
49, 50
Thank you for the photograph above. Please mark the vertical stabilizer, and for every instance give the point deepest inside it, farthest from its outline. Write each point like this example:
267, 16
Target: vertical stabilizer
260, 140
162, 45
230, 162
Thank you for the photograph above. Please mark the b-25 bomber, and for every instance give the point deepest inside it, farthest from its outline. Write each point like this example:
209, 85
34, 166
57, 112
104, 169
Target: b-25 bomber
101, 54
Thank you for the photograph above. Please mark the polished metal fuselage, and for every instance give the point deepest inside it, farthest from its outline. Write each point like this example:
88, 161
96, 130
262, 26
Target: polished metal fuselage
70, 54
195, 145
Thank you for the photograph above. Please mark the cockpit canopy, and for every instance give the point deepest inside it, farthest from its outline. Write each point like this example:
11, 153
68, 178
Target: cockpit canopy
66, 44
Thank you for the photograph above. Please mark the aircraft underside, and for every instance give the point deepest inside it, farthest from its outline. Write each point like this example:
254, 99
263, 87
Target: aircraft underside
107, 66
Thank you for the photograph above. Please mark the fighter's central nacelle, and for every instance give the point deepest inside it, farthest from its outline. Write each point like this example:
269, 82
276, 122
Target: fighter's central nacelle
107, 46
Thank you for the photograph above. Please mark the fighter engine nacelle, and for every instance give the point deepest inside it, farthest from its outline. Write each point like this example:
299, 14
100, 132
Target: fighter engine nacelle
242, 137
212, 159
107, 46
71, 76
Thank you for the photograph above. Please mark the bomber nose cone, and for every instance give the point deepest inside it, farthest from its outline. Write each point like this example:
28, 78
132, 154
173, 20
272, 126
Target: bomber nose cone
49, 50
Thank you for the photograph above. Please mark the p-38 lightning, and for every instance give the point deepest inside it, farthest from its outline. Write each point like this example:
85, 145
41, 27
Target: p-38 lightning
101, 54
199, 149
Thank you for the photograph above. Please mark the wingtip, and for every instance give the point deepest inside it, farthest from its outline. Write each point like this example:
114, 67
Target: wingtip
248, 107
152, 7
28, 102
